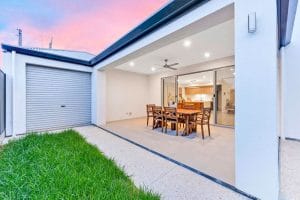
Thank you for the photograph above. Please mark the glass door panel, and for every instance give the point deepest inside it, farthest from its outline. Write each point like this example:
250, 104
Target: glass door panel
225, 96
169, 91
196, 89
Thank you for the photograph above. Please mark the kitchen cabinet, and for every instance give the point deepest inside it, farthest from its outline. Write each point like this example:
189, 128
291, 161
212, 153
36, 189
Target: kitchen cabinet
199, 90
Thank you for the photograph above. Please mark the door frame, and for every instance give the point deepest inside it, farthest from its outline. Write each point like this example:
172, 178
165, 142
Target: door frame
214, 70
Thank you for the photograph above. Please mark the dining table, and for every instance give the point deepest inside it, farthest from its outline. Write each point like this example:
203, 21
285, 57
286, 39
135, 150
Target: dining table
187, 113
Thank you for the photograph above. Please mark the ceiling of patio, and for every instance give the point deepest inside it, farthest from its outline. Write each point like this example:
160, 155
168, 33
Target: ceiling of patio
217, 41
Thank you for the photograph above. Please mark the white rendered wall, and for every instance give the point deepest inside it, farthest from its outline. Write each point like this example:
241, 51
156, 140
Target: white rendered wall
256, 81
98, 97
15, 68
291, 83
127, 94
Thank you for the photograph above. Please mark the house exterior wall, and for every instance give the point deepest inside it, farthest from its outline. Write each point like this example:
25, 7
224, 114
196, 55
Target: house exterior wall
15, 69
291, 83
98, 97
256, 129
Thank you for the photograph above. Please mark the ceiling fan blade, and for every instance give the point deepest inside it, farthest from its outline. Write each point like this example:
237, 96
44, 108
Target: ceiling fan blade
171, 65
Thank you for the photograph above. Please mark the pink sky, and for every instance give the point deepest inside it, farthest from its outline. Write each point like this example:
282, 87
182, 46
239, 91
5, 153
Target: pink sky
86, 25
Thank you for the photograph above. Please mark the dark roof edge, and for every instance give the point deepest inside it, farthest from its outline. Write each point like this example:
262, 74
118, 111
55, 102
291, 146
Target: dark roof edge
45, 55
160, 18
286, 17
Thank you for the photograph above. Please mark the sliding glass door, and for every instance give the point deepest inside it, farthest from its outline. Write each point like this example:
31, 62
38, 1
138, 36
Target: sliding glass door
196, 89
213, 88
169, 92
225, 96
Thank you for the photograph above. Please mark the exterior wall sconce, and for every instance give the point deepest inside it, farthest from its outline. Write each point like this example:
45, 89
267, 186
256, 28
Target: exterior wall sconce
252, 22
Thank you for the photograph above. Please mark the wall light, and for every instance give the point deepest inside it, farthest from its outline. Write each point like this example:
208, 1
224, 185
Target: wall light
252, 22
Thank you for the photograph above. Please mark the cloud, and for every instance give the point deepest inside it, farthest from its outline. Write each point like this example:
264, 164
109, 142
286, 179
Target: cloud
87, 25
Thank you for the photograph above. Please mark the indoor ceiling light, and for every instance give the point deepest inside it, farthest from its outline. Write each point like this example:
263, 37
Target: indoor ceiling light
231, 69
153, 69
187, 43
131, 64
206, 55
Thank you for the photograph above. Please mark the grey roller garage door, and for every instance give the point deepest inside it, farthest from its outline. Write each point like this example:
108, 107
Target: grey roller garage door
57, 98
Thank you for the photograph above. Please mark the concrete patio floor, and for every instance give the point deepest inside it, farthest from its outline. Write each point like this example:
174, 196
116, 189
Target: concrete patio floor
155, 173
213, 156
289, 170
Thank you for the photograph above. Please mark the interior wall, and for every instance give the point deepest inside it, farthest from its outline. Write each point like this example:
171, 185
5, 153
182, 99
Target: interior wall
155, 80
126, 95
291, 83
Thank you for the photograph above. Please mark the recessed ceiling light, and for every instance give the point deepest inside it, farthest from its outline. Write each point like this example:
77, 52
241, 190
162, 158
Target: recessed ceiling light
187, 43
153, 69
206, 54
231, 69
131, 64
233, 73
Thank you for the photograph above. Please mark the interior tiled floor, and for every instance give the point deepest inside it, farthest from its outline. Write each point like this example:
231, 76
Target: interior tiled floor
223, 118
214, 155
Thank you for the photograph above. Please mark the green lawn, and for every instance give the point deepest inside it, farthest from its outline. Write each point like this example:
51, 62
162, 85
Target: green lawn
62, 166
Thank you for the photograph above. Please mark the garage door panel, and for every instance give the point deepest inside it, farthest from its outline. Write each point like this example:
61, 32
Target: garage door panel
57, 98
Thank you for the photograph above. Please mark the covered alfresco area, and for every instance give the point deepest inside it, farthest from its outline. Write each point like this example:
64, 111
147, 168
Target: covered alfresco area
189, 75
199, 59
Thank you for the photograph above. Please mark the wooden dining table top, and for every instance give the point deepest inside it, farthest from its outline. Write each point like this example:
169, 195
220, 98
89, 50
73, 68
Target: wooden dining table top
187, 111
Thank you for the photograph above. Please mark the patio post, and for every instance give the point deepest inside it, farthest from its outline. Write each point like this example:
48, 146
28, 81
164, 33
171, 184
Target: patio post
256, 142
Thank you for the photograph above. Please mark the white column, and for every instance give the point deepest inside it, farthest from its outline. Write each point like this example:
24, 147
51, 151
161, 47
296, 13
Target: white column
98, 97
256, 144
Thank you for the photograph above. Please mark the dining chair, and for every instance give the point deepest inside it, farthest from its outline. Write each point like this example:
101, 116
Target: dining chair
158, 117
202, 119
149, 109
170, 115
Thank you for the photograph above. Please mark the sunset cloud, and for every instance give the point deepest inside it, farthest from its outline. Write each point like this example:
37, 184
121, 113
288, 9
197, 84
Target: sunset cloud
87, 25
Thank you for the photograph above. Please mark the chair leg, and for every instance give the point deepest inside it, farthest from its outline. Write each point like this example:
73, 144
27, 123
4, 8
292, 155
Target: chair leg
153, 123
202, 131
176, 128
208, 125
166, 126
147, 120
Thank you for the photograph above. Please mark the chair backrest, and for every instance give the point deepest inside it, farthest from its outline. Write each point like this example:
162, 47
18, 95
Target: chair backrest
157, 110
170, 112
149, 107
206, 112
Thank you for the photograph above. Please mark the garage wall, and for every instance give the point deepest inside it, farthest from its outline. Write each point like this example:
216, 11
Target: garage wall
15, 68
126, 95
291, 83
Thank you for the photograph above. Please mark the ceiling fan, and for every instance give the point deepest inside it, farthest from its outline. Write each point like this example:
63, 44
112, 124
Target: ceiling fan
170, 66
